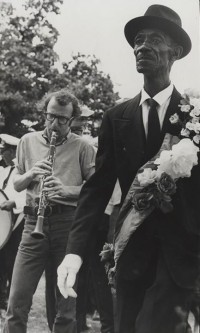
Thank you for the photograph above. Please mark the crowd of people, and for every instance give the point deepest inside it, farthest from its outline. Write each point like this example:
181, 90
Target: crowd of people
71, 198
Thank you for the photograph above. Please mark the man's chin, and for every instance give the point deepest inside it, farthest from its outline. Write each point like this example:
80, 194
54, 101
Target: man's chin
145, 69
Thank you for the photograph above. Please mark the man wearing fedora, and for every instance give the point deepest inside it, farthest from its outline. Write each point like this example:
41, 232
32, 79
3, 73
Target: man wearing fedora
158, 273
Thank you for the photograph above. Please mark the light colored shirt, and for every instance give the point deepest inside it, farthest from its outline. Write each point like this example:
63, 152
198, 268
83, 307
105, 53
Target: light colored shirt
116, 195
18, 197
162, 98
115, 199
74, 162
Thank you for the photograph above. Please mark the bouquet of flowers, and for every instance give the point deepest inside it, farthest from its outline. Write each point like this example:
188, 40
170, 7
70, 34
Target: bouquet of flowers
158, 185
155, 183
158, 182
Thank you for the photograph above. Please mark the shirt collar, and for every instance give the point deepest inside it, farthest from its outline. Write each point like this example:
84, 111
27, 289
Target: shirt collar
44, 134
160, 98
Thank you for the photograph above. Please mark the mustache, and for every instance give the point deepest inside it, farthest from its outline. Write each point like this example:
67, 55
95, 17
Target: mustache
144, 56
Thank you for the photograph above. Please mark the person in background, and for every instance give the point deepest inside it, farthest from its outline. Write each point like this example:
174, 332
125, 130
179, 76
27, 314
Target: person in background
15, 204
56, 175
79, 124
157, 274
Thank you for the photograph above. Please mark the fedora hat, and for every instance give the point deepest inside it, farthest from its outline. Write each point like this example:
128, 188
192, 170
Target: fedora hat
162, 18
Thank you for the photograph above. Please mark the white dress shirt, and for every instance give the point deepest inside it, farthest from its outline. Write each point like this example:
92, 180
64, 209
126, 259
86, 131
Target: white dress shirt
162, 98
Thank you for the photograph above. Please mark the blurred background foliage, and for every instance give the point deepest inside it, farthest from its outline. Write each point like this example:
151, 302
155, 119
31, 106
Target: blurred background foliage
29, 68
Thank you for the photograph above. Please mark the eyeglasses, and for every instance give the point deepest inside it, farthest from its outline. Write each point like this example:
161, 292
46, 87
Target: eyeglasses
61, 119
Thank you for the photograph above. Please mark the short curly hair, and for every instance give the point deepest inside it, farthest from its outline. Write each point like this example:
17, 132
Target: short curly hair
63, 97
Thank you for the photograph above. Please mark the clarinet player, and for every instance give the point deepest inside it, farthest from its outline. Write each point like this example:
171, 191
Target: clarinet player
61, 181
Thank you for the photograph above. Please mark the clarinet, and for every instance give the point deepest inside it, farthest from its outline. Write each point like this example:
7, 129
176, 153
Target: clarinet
43, 200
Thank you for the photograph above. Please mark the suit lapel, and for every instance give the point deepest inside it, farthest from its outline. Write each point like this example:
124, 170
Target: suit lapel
167, 126
130, 129
172, 108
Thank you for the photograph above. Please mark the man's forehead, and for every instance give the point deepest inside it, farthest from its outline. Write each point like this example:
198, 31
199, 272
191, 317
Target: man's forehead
152, 31
54, 107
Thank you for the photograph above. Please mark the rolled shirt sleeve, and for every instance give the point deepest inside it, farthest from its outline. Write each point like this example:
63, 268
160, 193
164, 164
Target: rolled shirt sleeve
87, 160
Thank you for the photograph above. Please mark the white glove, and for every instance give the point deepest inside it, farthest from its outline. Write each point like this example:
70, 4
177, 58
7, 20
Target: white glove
67, 272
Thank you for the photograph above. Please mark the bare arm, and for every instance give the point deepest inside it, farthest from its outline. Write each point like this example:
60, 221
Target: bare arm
54, 187
21, 181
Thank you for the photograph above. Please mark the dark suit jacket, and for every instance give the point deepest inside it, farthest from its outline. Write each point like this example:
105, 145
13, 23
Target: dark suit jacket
120, 154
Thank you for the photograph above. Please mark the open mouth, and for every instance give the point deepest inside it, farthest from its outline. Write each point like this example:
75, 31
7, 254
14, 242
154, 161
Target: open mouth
144, 58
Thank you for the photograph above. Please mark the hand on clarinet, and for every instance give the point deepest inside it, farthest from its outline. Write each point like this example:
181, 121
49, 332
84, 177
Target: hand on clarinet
53, 186
41, 168
67, 272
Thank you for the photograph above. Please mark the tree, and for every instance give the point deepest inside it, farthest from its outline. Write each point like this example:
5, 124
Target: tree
93, 87
27, 61
28, 67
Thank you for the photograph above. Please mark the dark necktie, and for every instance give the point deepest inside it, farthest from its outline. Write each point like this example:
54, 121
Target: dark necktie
153, 135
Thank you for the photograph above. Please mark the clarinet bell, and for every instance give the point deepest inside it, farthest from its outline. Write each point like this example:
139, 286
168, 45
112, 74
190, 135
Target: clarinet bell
38, 231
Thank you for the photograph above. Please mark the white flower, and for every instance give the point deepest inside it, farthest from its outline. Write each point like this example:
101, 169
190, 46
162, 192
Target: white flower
164, 162
185, 132
195, 112
147, 177
181, 166
195, 102
197, 127
174, 118
185, 108
165, 155
181, 159
190, 126
196, 139
184, 158
195, 120
184, 146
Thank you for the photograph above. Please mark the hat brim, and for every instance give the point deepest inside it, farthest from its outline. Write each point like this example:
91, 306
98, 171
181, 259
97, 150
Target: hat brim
9, 139
146, 22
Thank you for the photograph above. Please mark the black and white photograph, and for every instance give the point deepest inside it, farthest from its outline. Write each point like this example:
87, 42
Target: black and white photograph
99, 166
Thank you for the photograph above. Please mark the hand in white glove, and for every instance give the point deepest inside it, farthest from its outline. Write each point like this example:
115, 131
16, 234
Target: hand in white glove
67, 272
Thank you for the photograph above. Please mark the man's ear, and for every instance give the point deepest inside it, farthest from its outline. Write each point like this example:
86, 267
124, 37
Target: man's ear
178, 50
